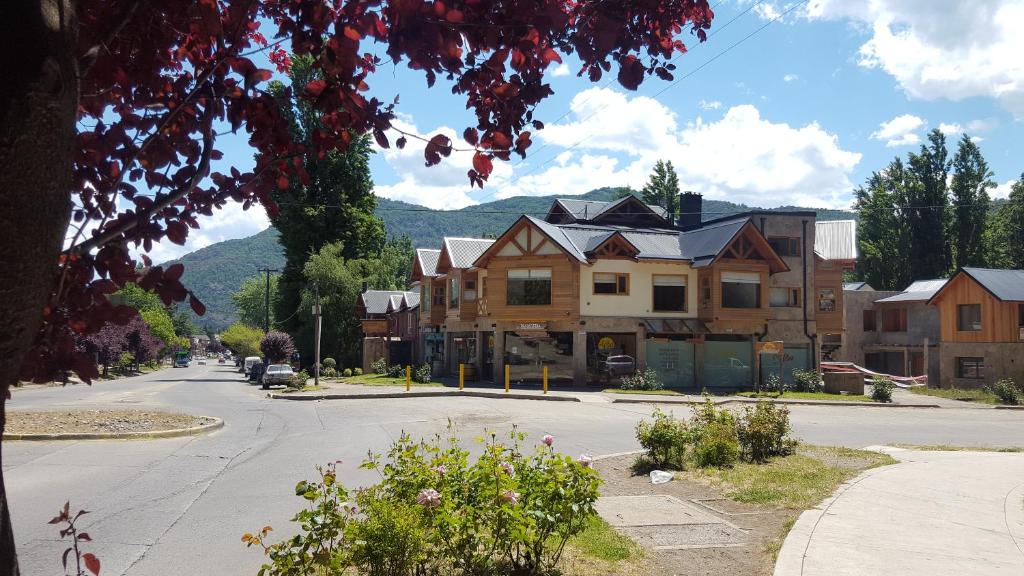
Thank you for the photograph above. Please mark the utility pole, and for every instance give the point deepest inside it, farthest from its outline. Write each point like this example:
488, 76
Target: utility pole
266, 299
316, 336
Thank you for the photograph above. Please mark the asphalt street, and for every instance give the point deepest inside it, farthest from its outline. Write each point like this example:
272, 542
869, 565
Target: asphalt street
181, 505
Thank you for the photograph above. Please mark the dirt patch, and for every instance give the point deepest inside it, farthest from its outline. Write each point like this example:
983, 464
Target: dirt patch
108, 421
758, 527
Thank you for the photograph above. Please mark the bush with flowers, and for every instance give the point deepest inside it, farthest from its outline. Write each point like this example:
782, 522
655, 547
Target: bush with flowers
437, 510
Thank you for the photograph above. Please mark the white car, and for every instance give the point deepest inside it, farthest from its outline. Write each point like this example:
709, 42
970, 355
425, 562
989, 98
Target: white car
277, 374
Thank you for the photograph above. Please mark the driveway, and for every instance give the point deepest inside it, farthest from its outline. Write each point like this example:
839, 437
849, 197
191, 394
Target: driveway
934, 513
180, 505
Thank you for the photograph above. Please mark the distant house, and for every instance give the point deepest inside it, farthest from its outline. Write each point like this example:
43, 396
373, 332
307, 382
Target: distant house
390, 321
855, 286
981, 313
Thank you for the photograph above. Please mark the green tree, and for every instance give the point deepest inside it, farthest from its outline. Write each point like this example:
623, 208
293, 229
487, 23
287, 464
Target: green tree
251, 300
882, 234
134, 296
662, 188
241, 339
160, 325
335, 205
927, 204
183, 325
1005, 237
969, 190
339, 285
390, 269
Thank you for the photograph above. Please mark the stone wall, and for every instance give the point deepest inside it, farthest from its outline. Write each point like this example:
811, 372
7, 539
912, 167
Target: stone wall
1002, 360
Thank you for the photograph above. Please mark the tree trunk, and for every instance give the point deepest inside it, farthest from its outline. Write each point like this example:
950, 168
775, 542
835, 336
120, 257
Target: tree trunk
38, 105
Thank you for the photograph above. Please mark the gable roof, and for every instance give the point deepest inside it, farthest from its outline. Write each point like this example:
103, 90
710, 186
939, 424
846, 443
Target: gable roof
863, 286
403, 300
587, 210
426, 263
461, 253
919, 291
378, 301
1004, 285
836, 239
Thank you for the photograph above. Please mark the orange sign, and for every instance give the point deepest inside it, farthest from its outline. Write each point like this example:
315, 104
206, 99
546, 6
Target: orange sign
375, 327
769, 347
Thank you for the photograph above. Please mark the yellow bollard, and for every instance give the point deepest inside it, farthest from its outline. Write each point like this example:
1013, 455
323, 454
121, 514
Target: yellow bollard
408, 378
462, 376
506, 377
545, 379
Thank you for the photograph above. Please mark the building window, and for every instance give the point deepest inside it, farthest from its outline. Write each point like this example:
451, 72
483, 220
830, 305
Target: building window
827, 300
453, 293
529, 287
894, 320
785, 246
1020, 321
784, 297
968, 317
469, 294
741, 290
970, 367
439, 295
605, 283
669, 293
869, 321
425, 297
705, 292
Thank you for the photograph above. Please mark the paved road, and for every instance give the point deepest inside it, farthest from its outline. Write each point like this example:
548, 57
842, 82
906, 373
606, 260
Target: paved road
184, 502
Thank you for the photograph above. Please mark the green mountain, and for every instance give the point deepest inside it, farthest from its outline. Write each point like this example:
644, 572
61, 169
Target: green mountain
216, 271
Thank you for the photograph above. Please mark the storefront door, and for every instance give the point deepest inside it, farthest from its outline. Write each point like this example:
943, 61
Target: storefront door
727, 364
673, 360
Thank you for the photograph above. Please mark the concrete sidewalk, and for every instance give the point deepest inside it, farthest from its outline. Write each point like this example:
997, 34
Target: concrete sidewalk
935, 513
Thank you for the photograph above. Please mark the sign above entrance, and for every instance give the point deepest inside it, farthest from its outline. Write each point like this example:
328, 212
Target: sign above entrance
605, 343
770, 347
532, 326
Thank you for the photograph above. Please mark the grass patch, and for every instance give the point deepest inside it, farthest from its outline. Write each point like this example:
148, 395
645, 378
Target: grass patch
798, 481
948, 448
774, 545
808, 396
600, 549
379, 380
306, 388
662, 392
980, 396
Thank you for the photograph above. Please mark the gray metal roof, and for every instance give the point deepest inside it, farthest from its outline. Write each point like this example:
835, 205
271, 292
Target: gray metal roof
464, 251
857, 286
589, 209
836, 239
703, 244
1006, 285
428, 261
377, 301
403, 299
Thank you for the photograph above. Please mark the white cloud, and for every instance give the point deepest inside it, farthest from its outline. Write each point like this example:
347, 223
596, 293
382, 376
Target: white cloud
228, 223
767, 11
709, 104
900, 131
951, 129
561, 70
935, 49
790, 78
1002, 190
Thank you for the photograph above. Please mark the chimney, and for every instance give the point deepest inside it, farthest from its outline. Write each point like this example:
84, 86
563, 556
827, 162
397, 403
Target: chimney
690, 210
366, 286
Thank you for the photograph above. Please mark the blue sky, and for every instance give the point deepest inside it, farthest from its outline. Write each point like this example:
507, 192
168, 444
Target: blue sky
800, 112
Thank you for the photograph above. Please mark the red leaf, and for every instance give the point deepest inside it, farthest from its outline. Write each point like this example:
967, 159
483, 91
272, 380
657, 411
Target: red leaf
438, 146
196, 305
177, 232
471, 136
482, 164
550, 55
500, 141
64, 559
315, 88
506, 91
381, 138
92, 563
84, 536
282, 181
174, 271
400, 142
631, 72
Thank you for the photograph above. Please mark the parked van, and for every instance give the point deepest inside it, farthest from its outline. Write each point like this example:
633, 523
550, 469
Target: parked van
251, 361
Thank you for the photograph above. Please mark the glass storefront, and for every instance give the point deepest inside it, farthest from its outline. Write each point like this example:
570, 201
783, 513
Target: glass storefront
526, 352
601, 345
792, 358
728, 364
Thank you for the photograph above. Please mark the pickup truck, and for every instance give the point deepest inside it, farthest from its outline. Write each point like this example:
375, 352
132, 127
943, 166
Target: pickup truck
277, 374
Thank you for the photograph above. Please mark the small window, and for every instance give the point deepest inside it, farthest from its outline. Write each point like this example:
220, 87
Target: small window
425, 297
605, 283
970, 367
705, 292
827, 300
528, 287
894, 320
439, 295
669, 293
469, 294
741, 290
453, 293
784, 297
785, 246
869, 321
968, 317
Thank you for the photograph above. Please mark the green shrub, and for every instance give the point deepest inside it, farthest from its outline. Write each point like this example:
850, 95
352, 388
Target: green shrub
299, 379
347, 372
125, 362
881, 390
379, 366
806, 381
664, 439
1007, 392
763, 432
328, 372
713, 433
357, 371
330, 363
422, 374
396, 371
775, 384
439, 511
646, 380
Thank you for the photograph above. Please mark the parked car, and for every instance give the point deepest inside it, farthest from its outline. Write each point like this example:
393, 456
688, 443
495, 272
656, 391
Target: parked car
181, 362
220, 360
277, 374
250, 361
202, 361
618, 366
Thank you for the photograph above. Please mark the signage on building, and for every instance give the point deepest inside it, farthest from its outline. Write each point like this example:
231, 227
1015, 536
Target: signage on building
605, 343
528, 326
770, 347
375, 327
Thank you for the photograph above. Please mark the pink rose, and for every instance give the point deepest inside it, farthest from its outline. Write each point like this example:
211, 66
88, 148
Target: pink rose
548, 439
585, 461
429, 498
441, 470
510, 497
508, 468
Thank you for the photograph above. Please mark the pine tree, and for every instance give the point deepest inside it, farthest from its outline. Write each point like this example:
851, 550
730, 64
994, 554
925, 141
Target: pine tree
969, 192
1006, 231
883, 238
927, 205
662, 188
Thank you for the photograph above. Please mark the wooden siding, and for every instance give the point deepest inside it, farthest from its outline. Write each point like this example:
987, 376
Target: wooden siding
999, 320
828, 275
741, 320
565, 292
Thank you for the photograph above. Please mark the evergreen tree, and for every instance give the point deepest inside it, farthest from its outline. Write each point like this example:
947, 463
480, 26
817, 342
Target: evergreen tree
1005, 236
663, 189
882, 234
927, 204
969, 191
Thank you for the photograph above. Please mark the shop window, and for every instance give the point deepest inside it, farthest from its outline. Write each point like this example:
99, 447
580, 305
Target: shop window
527, 352
827, 300
669, 293
970, 367
784, 298
741, 290
869, 321
605, 283
894, 320
529, 287
453, 293
968, 317
469, 295
785, 246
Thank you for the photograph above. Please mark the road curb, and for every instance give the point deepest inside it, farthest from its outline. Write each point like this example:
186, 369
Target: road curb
1002, 407
786, 402
174, 433
466, 394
